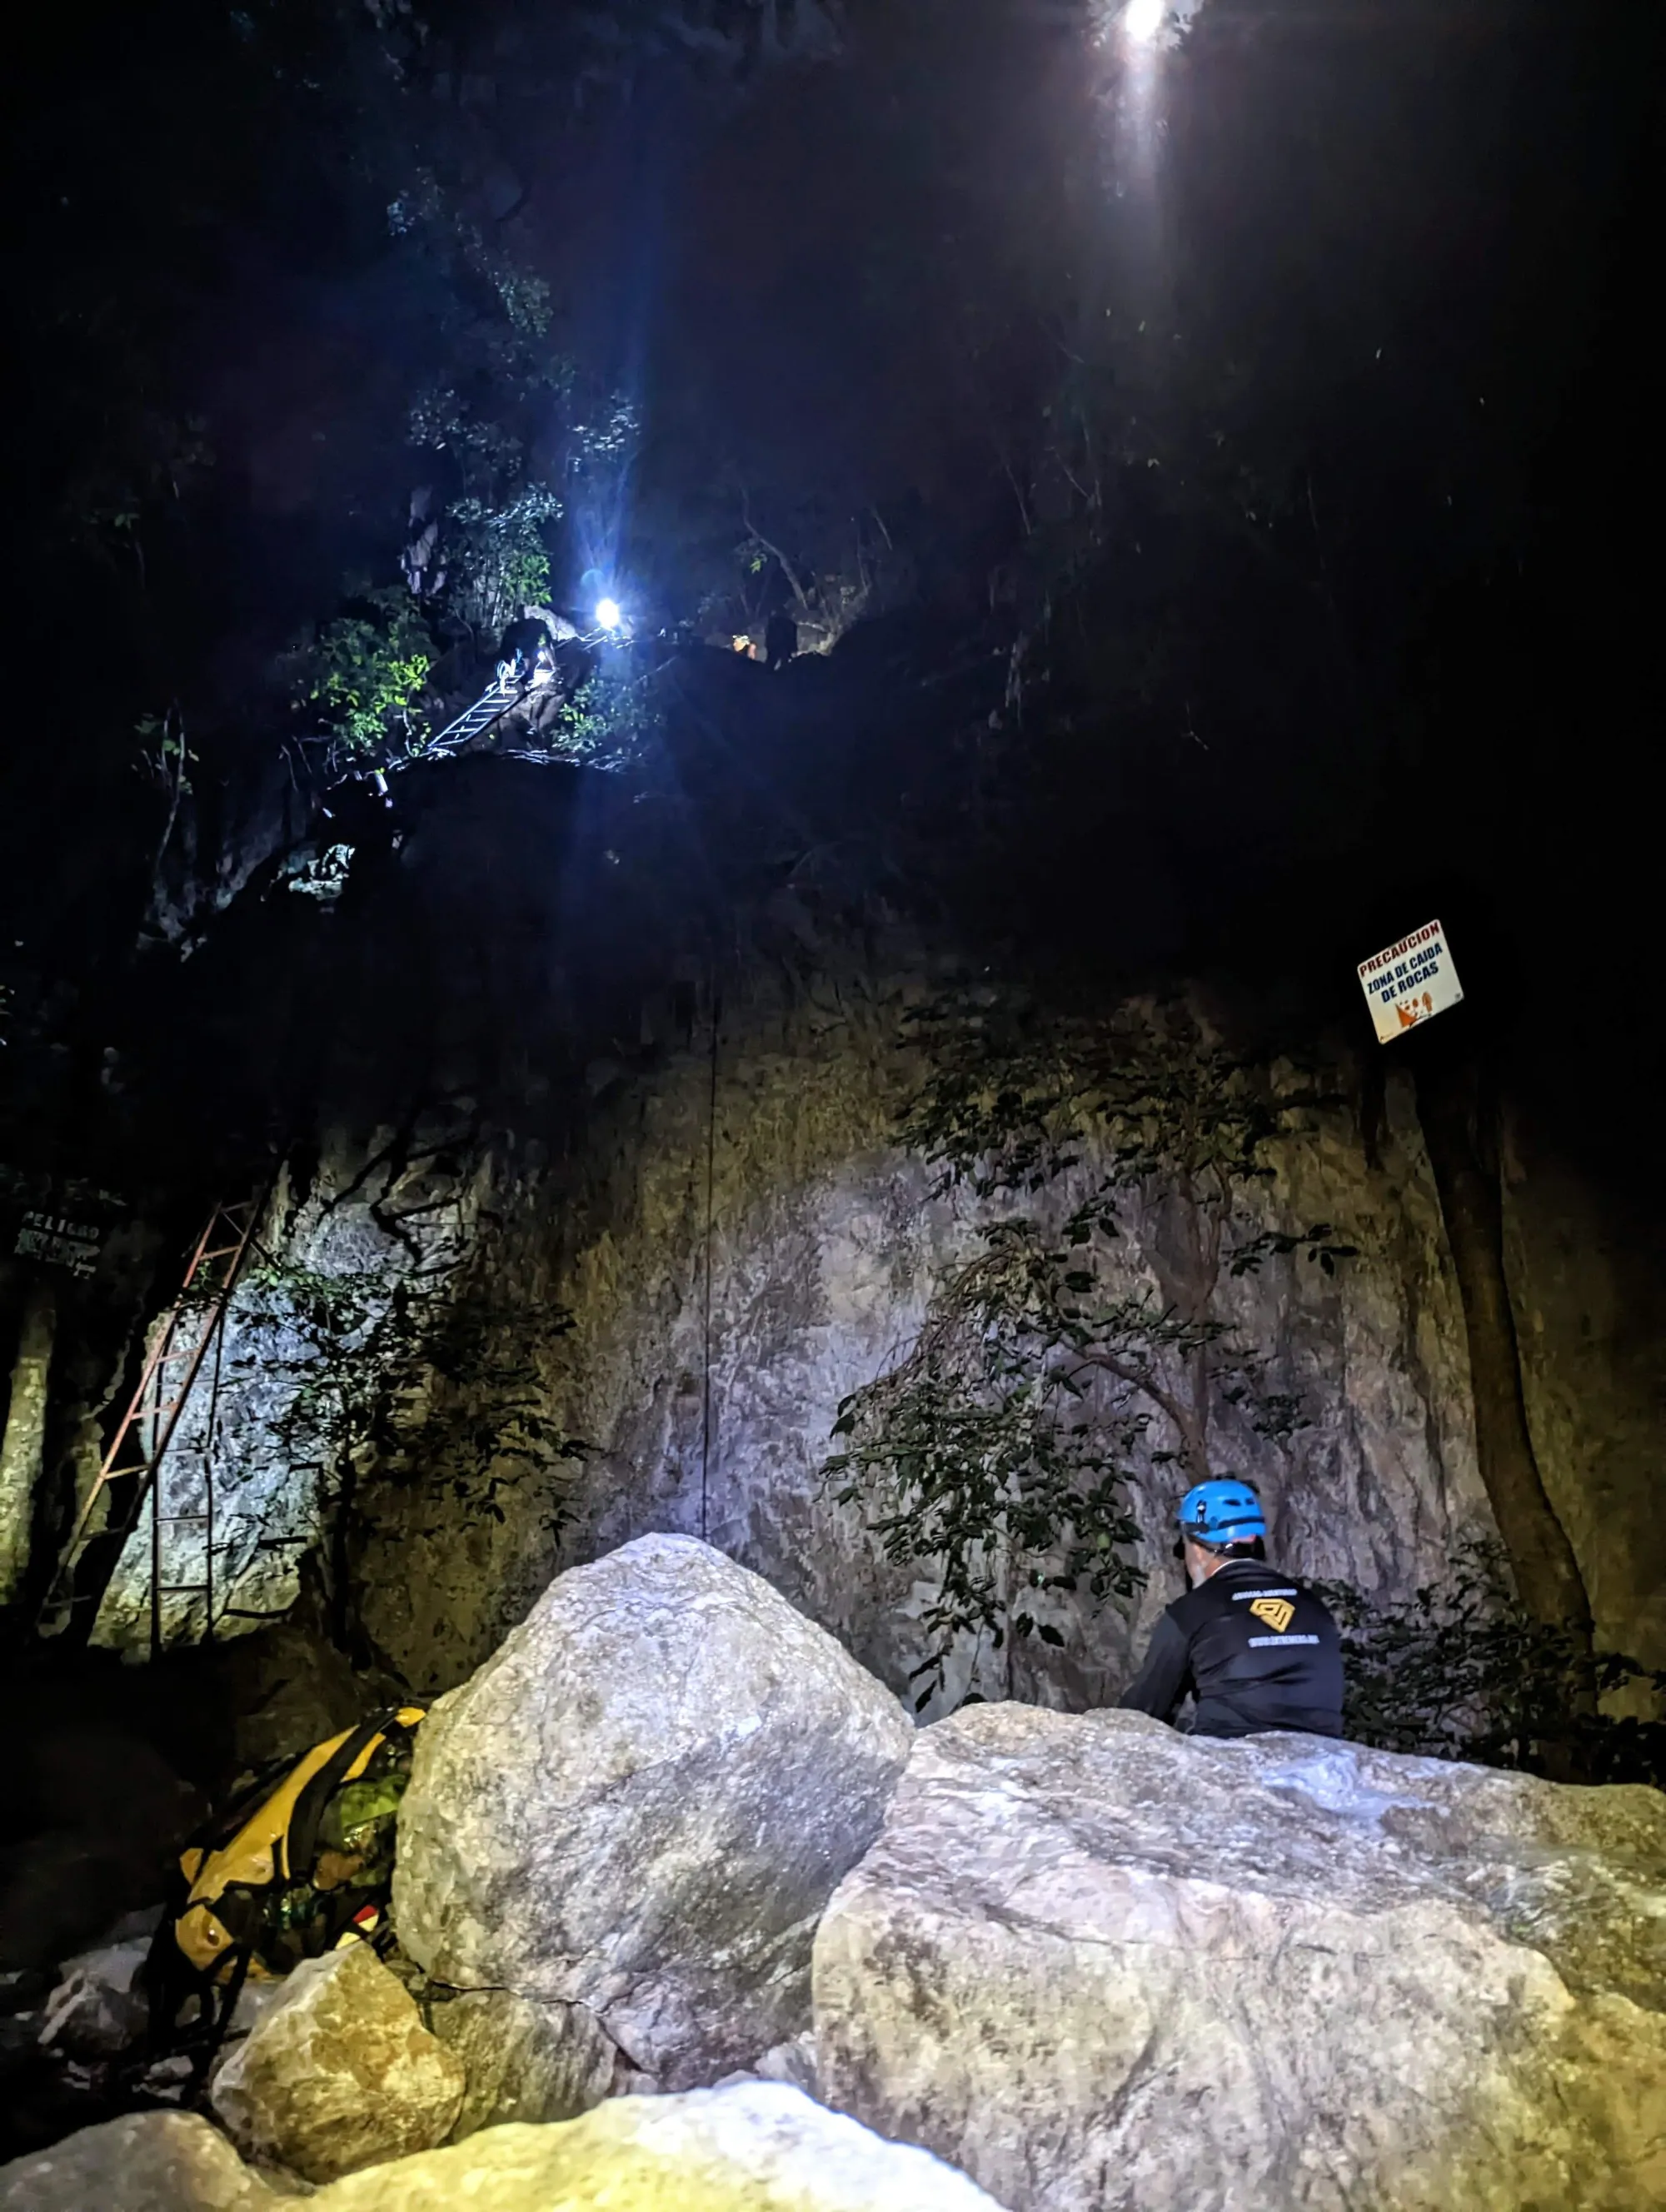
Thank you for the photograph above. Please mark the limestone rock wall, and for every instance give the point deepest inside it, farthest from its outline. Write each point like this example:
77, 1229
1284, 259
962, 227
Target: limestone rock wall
740, 1243
689, 1279
289, 1409
1590, 1314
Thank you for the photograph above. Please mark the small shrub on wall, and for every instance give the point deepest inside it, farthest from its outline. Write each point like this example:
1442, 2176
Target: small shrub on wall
1459, 1671
362, 676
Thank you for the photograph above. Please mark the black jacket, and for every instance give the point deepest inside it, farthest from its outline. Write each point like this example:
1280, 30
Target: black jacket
1257, 1649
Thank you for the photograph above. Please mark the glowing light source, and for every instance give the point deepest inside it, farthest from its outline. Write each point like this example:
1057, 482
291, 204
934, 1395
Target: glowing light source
609, 613
1143, 19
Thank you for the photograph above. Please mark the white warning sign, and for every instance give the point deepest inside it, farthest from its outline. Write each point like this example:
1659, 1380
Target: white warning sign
1410, 982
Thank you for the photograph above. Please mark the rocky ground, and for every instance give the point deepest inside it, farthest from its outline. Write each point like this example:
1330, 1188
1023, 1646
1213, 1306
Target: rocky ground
691, 1915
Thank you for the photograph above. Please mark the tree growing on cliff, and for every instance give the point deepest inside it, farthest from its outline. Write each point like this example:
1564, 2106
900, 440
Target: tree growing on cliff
998, 1449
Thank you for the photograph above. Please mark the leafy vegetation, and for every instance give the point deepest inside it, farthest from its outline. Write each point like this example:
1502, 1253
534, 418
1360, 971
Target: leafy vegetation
1088, 1319
1461, 1671
424, 1379
605, 722
499, 560
1239, 440
490, 557
364, 674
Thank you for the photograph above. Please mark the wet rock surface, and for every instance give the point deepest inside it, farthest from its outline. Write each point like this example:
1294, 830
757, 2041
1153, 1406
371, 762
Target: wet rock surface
641, 1805
1094, 1962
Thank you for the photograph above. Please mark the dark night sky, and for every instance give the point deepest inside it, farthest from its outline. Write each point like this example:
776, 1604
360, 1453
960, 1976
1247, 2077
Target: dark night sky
1408, 254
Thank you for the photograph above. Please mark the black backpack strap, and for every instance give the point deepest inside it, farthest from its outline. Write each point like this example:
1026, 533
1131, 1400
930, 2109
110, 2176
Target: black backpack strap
221, 2000
314, 1800
214, 1833
312, 1803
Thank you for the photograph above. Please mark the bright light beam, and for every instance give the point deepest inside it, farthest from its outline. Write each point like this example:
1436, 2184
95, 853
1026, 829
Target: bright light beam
609, 613
1143, 19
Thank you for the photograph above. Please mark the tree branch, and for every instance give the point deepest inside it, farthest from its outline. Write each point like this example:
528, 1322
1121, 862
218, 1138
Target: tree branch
775, 552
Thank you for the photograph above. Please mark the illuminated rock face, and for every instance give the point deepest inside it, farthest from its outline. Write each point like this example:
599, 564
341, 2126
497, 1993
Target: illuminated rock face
820, 1242
339, 2073
297, 1335
1096, 1963
755, 2148
525, 2062
642, 1804
740, 1241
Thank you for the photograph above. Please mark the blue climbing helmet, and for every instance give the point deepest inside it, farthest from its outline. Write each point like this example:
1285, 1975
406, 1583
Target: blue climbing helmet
1217, 1513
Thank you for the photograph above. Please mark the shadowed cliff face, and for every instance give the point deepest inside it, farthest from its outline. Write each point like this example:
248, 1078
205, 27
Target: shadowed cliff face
595, 1220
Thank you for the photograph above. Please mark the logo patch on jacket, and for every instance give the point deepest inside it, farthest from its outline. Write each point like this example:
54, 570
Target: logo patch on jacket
1277, 1611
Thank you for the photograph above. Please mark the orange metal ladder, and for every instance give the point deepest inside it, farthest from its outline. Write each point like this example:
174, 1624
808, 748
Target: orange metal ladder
191, 1329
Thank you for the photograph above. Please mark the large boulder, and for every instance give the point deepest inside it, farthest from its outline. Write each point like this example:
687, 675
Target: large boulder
642, 1804
525, 2061
339, 2073
1096, 1963
762, 2148
151, 2162
758, 2149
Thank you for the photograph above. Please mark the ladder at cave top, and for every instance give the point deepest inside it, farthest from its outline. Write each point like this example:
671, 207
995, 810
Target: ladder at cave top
489, 708
184, 1342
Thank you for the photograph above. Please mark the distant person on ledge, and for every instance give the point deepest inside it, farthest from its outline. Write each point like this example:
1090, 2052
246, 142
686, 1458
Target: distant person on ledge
1257, 1650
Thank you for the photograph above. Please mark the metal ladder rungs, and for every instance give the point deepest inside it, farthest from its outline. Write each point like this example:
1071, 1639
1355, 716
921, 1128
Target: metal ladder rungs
471, 723
181, 1342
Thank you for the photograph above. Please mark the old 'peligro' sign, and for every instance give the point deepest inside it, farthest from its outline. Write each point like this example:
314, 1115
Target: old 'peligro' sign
60, 1241
1410, 982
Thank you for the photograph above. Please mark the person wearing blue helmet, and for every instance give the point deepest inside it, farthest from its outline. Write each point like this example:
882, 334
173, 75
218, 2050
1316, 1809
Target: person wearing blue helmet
1257, 1650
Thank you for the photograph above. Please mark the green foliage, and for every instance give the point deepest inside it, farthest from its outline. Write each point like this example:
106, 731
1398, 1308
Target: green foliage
998, 1449
604, 722
1014, 1089
484, 453
609, 444
525, 300
974, 1455
493, 556
424, 1377
498, 560
163, 751
365, 671
1459, 1671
